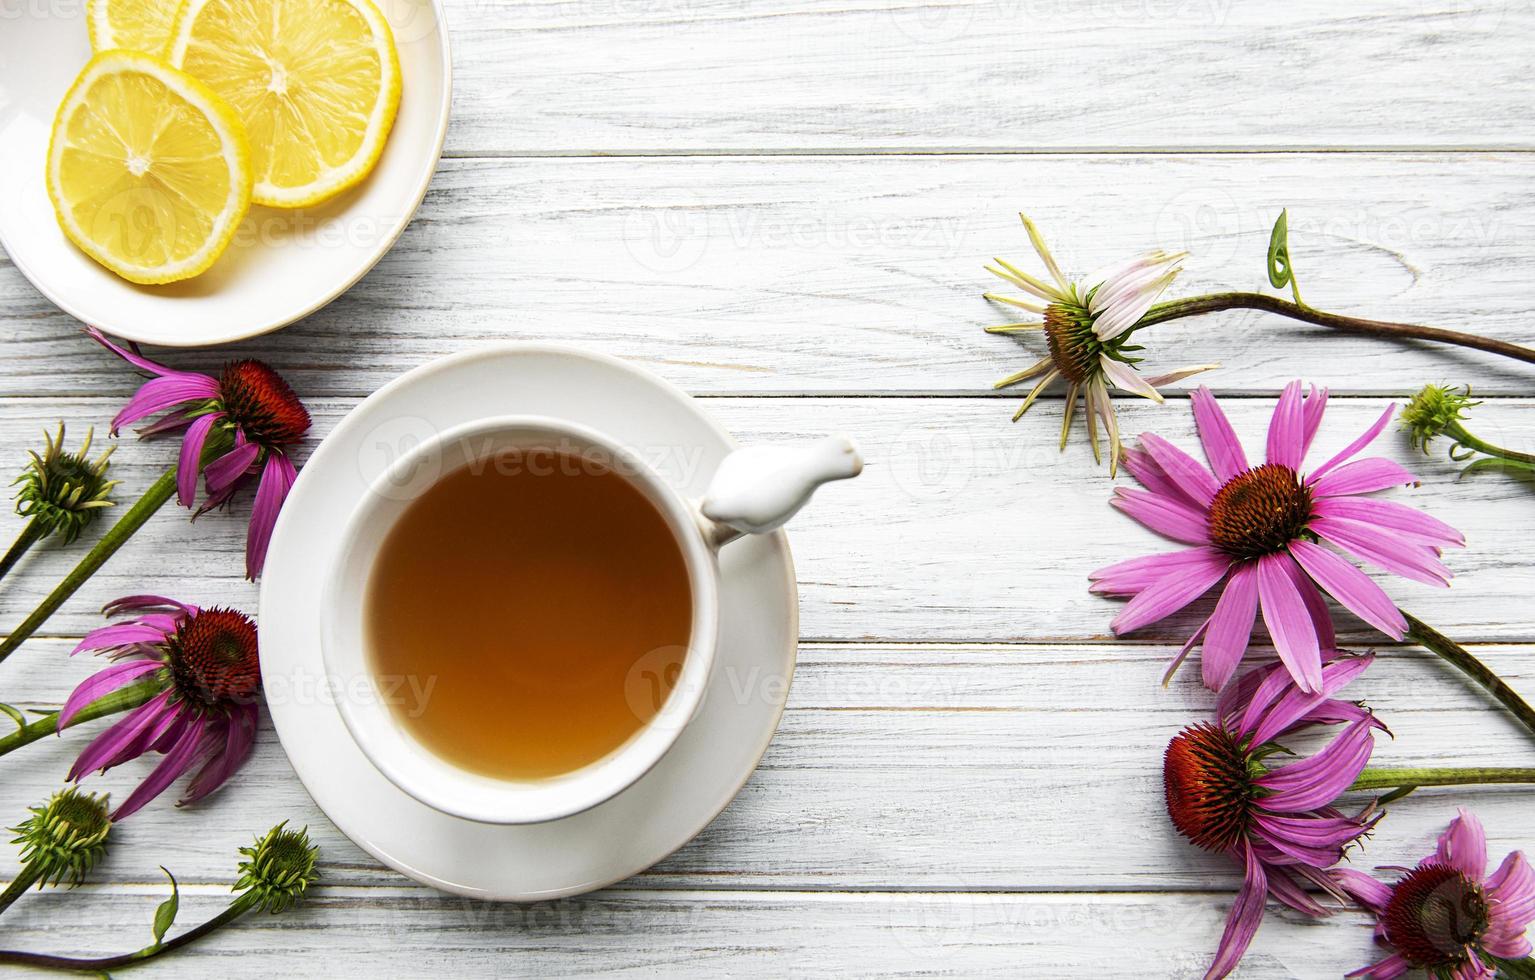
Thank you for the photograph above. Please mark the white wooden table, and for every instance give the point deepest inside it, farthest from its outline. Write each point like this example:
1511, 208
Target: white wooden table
784, 207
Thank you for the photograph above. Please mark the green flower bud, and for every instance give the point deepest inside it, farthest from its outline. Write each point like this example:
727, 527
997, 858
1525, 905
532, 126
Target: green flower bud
66, 836
1434, 411
63, 492
278, 868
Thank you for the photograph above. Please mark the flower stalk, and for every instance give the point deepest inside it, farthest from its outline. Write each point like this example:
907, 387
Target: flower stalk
1439, 410
119, 700
1398, 779
276, 873
1462, 660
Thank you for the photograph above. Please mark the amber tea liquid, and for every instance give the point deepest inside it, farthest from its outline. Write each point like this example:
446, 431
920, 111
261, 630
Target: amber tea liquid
510, 604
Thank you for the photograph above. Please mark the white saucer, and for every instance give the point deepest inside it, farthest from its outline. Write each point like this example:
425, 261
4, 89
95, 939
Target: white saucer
759, 626
282, 264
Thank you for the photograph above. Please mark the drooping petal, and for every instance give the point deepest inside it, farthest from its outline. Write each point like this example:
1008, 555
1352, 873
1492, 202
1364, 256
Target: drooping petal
1319, 780
1311, 839
1158, 380
1354, 589
1289, 621
1362, 476
1392, 516
102, 683
1164, 515
1133, 299
1316, 404
1145, 469
1511, 895
1130, 577
161, 394
188, 465
1414, 561
1222, 447
115, 745
137, 360
1287, 429
1231, 626
1369, 892
276, 480
1295, 704
1170, 594
1287, 890
1125, 378
1183, 469
1246, 915
1389, 968
146, 603
1183, 652
117, 635
178, 759
1463, 845
1353, 448
224, 472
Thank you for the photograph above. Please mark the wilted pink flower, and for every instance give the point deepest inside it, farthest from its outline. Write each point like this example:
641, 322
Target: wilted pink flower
205, 715
250, 406
1278, 822
1447, 916
1256, 532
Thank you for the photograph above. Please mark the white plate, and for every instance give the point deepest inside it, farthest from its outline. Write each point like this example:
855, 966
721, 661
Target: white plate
759, 625
282, 265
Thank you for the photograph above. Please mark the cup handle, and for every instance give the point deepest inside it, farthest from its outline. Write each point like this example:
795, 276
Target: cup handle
757, 489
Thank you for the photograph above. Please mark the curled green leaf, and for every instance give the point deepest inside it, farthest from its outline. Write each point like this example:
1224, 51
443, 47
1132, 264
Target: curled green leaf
1281, 273
166, 913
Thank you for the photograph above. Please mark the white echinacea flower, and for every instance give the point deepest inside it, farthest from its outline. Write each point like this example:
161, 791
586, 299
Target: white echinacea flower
1087, 325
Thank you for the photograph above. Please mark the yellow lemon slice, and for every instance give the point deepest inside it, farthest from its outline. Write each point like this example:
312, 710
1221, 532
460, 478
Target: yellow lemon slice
138, 25
149, 171
316, 82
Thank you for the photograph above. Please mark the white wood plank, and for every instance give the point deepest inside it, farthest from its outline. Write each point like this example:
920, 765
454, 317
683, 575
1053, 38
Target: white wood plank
672, 76
963, 527
1027, 767
398, 932
863, 274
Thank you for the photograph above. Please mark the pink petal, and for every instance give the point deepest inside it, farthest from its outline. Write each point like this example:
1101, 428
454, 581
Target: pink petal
142, 603
1389, 968
1310, 838
178, 759
160, 394
1316, 606
1419, 563
1124, 377
1170, 594
190, 462
117, 635
1319, 780
1511, 891
1246, 915
224, 472
1289, 621
1463, 845
1352, 448
1130, 577
113, 746
104, 682
1222, 447
1316, 404
1287, 429
1362, 476
1164, 515
1284, 887
1187, 472
137, 360
1354, 589
1140, 465
1295, 704
276, 480
1393, 516
1374, 895
1231, 626
239, 738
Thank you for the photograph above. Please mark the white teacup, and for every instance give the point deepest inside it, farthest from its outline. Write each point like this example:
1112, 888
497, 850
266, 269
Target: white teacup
754, 490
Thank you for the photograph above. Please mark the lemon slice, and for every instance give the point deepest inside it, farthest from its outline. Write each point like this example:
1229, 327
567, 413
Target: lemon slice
316, 82
138, 25
148, 170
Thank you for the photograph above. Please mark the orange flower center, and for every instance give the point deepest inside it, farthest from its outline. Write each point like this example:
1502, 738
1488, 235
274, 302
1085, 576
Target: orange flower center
1434, 916
261, 403
213, 658
1209, 786
1259, 512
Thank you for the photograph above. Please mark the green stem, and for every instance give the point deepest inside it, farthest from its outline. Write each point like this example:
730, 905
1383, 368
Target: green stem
1372, 779
1215, 302
1463, 436
1461, 659
154, 498
30, 535
236, 909
25, 878
130, 696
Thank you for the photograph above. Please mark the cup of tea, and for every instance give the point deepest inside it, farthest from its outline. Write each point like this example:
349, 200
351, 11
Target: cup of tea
523, 614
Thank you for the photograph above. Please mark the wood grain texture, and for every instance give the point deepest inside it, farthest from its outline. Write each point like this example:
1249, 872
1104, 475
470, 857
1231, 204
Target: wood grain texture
646, 76
787, 275
964, 526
